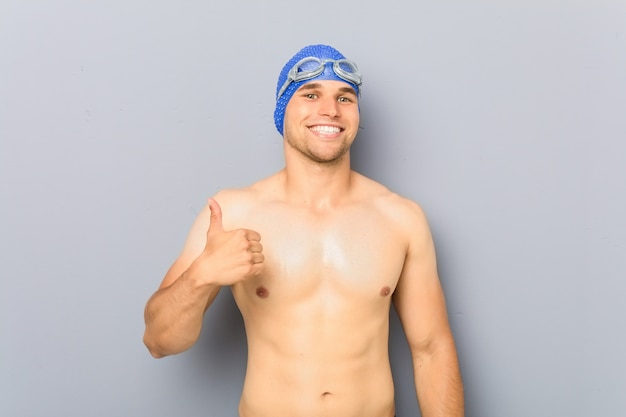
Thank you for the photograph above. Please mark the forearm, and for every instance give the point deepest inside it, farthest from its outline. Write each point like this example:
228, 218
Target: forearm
174, 315
438, 382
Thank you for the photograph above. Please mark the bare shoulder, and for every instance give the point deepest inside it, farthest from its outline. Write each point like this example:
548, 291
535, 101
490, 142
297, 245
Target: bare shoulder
236, 203
234, 198
402, 211
230, 200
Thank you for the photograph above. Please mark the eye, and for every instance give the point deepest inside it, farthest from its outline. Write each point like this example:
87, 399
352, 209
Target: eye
344, 99
310, 96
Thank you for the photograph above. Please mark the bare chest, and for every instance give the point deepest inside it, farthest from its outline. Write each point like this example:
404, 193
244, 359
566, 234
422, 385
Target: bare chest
355, 254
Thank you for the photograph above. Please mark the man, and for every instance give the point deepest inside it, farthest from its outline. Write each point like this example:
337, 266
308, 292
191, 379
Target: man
337, 249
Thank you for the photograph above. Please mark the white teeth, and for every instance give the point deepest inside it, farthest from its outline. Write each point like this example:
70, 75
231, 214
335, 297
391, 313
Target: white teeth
325, 130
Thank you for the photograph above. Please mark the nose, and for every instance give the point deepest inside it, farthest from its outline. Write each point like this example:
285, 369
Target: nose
329, 106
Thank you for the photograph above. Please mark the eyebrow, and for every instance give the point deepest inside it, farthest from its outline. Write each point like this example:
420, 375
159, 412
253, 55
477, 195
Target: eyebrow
313, 86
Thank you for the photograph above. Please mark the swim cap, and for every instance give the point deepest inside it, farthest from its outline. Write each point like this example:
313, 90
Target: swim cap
317, 51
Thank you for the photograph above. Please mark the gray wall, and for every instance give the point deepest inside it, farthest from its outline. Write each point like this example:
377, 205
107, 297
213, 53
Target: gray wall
119, 119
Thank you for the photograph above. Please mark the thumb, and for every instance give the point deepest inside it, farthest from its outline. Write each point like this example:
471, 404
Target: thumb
216, 216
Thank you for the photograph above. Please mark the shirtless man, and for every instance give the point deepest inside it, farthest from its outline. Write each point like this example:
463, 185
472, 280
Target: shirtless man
337, 248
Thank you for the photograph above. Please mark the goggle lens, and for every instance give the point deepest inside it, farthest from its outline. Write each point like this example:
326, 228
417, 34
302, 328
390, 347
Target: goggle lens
311, 67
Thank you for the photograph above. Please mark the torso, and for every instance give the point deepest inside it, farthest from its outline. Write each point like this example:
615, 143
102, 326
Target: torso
317, 317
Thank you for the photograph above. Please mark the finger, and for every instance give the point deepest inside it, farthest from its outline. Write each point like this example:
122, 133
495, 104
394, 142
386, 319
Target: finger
258, 258
257, 269
216, 216
252, 235
255, 246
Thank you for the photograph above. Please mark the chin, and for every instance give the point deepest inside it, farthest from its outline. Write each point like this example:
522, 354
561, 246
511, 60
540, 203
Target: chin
330, 159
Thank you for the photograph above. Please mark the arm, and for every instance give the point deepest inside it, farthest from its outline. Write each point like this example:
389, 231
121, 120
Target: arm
209, 260
420, 304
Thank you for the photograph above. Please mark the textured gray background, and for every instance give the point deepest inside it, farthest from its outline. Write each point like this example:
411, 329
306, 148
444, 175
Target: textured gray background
505, 121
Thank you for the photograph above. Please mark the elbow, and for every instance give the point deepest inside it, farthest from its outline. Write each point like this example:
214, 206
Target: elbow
154, 348
432, 347
161, 346
156, 354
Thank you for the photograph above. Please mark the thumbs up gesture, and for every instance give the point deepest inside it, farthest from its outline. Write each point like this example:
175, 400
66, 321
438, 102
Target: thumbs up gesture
233, 255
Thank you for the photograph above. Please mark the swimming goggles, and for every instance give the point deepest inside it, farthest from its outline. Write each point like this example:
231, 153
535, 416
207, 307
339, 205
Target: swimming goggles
311, 67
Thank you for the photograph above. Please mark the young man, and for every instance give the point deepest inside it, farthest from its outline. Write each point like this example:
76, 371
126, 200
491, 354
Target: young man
337, 249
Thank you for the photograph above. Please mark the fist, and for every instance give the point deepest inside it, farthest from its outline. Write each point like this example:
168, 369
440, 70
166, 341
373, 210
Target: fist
234, 255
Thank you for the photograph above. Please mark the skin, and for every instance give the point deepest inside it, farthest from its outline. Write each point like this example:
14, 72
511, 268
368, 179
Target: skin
315, 255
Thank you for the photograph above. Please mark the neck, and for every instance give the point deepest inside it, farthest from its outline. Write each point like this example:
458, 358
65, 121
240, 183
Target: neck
314, 184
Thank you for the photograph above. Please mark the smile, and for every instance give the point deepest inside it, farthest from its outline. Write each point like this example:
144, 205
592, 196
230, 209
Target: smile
325, 129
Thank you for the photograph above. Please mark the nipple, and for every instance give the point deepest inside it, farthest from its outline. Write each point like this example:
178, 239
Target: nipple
385, 291
261, 292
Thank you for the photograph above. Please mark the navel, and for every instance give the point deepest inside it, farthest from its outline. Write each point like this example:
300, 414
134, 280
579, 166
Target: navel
261, 292
385, 291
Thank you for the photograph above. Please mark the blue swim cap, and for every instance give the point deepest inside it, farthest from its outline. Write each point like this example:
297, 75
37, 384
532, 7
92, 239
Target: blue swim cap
317, 51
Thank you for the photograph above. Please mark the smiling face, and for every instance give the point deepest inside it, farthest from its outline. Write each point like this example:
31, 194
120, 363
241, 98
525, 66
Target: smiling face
322, 120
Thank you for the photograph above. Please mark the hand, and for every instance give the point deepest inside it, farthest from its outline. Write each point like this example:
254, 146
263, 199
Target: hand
231, 256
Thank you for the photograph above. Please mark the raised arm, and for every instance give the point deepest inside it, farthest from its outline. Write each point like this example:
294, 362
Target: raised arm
211, 258
420, 304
